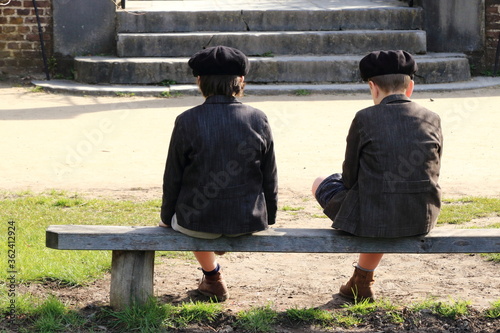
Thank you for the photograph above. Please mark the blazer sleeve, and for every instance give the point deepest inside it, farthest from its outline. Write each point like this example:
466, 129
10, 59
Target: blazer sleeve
350, 166
172, 177
270, 176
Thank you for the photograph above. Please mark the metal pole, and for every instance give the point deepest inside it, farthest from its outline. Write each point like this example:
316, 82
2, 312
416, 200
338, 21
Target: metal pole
40, 35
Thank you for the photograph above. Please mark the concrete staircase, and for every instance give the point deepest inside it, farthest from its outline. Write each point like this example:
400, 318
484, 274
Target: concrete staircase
293, 46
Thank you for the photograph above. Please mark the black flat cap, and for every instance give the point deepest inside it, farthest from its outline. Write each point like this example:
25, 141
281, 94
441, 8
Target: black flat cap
219, 60
387, 62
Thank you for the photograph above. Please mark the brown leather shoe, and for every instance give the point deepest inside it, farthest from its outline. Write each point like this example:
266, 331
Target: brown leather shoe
214, 287
359, 287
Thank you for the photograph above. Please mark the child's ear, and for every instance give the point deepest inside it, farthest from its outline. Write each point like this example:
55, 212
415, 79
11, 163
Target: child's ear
374, 89
409, 90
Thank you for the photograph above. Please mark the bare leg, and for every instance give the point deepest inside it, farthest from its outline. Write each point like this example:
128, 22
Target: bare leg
212, 284
206, 259
369, 261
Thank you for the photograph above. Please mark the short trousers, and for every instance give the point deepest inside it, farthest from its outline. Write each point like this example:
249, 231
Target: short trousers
198, 234
330, 186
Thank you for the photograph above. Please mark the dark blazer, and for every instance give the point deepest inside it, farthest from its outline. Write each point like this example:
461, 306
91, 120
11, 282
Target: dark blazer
220, 174
391, 171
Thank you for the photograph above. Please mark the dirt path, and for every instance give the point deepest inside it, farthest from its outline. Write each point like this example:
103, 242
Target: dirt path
116, 147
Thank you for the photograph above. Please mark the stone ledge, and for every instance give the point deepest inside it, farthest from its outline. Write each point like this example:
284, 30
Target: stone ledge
74, 88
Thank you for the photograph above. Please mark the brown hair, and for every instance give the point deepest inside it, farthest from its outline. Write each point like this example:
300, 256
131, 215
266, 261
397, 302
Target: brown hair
228, 85
392, 82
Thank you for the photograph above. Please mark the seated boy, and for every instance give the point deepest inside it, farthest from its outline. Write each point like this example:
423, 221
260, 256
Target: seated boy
389, 181
220, 176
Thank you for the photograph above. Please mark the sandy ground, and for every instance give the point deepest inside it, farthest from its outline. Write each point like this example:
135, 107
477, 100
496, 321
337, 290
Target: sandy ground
116, 147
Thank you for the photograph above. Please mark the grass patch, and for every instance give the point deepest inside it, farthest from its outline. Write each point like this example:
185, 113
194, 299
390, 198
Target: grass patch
268, 54
52, 315
197, 312
257, 320
494, 311
302, 92
451, 309
287, 208
150, 317
168, 94
31, 214
156, 317
458, 211
37, 89
167, 82
124, 94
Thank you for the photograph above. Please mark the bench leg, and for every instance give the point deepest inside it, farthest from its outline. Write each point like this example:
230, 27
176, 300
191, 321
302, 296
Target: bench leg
131, 278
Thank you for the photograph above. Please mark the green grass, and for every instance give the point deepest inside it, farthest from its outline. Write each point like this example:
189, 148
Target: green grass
31, 214
167, 82
258, 320
288, 208
311, 316
151, 317
458, 211
52, 315
37, 89
302, 92
168, 94
268, 54
156, 317
451, 309
493, 311
123, 94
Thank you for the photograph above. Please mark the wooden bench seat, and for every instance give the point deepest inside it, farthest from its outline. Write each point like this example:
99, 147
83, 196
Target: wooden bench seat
133, 248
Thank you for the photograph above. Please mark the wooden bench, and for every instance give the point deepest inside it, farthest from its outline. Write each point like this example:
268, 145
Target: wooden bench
134, 248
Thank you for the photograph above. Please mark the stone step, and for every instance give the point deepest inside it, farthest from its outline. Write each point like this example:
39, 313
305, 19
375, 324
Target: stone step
433, 68
85, 89
386, 18
275, 42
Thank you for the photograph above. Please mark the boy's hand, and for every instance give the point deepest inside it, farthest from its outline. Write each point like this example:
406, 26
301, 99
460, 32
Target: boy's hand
161, 224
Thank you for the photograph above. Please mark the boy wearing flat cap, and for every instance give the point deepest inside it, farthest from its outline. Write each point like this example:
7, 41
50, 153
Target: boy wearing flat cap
389, 181
220, 175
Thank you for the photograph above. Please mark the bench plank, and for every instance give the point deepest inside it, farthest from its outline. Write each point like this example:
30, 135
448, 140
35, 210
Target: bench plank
140, 238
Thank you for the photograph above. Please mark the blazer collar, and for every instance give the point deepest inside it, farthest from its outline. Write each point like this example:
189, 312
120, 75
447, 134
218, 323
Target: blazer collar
221, 99
396, 98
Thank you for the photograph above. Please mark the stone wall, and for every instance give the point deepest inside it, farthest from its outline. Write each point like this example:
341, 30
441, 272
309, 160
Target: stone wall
20, 47
492, 33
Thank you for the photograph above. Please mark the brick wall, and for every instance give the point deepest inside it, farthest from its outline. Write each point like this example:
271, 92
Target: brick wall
20, 47
492, 8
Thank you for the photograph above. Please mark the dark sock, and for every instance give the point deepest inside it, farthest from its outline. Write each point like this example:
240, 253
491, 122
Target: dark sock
211, 273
